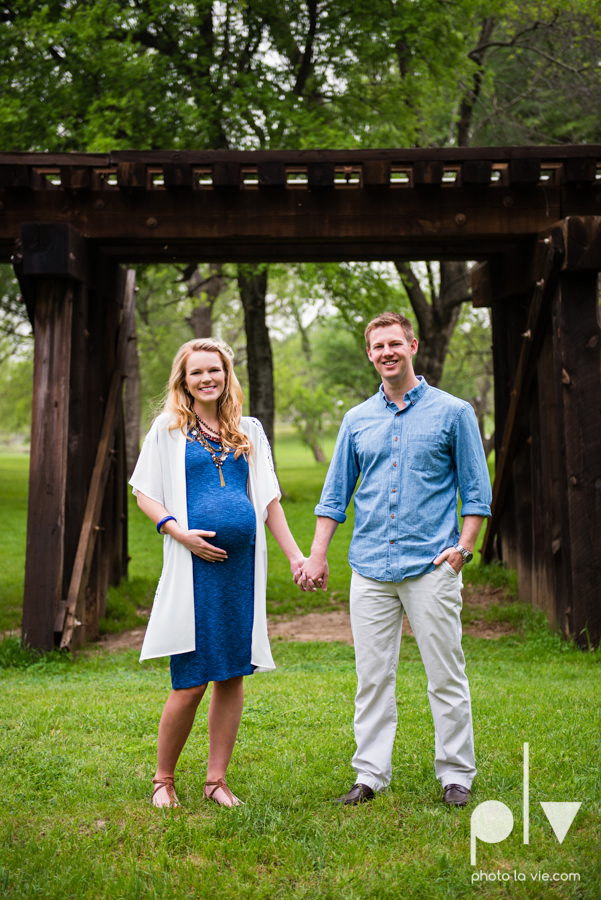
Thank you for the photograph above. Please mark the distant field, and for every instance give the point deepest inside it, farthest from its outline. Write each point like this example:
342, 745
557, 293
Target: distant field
301, 479
14, 472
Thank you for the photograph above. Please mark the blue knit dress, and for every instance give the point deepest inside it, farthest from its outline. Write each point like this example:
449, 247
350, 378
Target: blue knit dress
223, 591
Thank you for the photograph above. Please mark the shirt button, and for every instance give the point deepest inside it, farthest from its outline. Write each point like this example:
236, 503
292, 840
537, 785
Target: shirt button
396, 439
413, 401
392, 516
398, 414
392, 542
394, 464
394, 490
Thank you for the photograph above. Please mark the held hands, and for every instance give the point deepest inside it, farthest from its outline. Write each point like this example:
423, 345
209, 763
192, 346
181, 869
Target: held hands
296, 565
193, 540
313, 574
453, 557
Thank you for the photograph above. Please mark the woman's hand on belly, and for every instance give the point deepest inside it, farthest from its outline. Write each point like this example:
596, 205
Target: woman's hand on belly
193, 540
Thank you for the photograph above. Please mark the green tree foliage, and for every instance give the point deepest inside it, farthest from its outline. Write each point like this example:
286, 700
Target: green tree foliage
252, 74
111, 74
15, 328
15, 397
537, 79
321, 368
303, 400
321, 372
162, 307
358, 290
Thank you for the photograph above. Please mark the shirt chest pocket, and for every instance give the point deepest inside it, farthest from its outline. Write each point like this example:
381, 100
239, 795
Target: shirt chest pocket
424, 451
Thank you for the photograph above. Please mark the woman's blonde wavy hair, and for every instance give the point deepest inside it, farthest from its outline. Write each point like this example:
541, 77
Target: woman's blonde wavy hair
178, 402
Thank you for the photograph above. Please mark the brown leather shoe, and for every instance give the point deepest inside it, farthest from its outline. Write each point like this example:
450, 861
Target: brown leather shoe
359, 793
456, 795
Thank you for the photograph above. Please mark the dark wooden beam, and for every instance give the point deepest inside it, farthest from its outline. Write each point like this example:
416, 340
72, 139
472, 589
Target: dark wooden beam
396, 155
581, 170
481, 282
96, 316
48, 461
320, 176
24, 157
577, 337
476, 171
226, 176
582, 237
76, 178
132, 176
291, 216
551, 567
524, 171
531, 343
376, 173
508, 317
178, 176
54, 249
428, 172
73, 611
272, 175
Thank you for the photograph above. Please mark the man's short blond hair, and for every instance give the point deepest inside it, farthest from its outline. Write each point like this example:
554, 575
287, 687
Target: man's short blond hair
390, 318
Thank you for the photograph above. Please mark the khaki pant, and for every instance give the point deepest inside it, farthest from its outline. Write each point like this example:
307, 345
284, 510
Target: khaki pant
433, 605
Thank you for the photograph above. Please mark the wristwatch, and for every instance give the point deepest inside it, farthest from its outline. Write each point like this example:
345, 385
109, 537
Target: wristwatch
467, 555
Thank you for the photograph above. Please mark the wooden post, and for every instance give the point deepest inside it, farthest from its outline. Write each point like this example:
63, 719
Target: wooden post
75, 610
550, 571
577, 355
75, 387
508, 323
522, 498
538, 533
531, 339
48, 463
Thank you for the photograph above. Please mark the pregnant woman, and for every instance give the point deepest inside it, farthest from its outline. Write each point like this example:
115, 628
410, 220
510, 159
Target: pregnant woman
205, 477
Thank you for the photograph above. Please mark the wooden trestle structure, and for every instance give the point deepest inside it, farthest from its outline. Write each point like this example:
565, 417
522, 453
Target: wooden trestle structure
530, 216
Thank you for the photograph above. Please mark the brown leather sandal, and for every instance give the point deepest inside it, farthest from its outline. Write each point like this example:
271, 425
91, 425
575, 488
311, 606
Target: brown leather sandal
168, 782
221, 783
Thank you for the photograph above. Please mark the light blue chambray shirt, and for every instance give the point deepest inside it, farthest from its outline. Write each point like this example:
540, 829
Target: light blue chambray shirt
412, 462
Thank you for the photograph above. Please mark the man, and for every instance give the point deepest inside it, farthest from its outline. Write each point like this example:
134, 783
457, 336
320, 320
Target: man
413, 446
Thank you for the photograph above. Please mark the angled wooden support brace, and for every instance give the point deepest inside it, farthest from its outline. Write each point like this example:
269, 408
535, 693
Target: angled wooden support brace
66, 620
532, 338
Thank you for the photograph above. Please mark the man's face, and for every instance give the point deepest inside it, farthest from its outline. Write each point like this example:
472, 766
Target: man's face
391, 352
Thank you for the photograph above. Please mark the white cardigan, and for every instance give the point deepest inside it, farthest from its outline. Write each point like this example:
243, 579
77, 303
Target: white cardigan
161, 475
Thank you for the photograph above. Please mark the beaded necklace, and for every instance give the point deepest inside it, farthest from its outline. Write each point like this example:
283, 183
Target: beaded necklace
203, 438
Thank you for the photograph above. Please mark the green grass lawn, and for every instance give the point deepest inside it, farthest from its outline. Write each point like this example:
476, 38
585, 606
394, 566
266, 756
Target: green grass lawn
78, 745
14, 475
77, 750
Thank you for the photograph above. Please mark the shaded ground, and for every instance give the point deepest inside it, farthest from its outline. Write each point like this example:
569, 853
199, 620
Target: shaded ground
479, 605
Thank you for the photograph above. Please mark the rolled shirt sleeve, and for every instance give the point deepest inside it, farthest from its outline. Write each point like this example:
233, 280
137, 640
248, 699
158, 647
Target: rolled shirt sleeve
341, 479
473, 479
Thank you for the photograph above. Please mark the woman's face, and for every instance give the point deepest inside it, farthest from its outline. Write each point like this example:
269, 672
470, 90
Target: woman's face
205, 376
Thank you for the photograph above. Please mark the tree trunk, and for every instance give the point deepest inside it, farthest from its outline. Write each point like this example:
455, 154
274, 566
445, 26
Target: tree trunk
434, 341
470, 98
480, 406
201, 320
252, 282
312, 440
437, 319
132, 411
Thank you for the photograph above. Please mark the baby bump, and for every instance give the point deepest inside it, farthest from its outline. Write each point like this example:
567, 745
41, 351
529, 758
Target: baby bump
234, 524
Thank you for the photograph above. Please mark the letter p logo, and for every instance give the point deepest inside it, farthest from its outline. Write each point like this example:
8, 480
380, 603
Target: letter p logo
492, 822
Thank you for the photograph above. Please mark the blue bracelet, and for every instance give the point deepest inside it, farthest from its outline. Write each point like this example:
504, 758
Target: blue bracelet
162, 522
